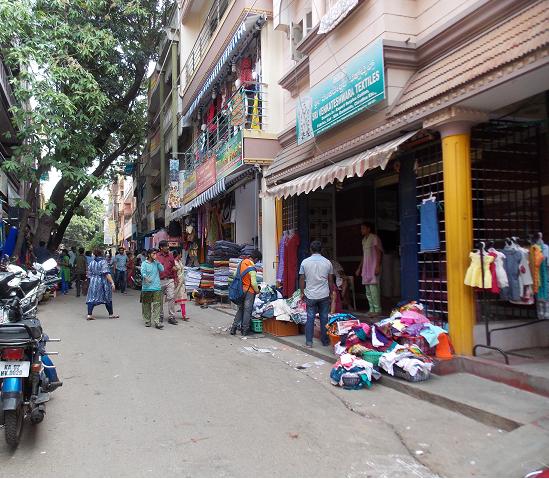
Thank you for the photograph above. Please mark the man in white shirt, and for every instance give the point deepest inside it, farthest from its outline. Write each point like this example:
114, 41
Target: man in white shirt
316, 281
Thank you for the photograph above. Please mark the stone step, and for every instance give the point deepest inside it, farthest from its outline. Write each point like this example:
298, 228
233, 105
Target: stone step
489, 402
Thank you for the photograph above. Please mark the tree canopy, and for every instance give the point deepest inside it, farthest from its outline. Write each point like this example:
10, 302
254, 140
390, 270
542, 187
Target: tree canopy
86, 224
81, 66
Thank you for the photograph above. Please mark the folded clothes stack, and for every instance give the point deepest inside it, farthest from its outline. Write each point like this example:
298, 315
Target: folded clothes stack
207, 280
192, 278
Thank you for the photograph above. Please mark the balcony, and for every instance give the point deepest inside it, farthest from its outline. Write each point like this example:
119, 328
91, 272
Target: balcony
6, 87
201, 46
153, 98
245, 112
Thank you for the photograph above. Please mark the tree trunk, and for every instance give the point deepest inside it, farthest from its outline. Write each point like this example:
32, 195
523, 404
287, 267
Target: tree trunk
23, 220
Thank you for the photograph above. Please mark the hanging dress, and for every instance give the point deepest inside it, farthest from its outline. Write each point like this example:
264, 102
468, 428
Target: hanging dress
473, 276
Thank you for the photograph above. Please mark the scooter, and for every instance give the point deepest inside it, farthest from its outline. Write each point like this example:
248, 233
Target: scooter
27, 374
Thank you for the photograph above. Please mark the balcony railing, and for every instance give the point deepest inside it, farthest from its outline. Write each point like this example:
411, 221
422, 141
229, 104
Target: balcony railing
245, 110
4, 81
213, 19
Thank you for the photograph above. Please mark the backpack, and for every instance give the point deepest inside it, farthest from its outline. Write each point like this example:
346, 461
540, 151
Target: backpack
236, 289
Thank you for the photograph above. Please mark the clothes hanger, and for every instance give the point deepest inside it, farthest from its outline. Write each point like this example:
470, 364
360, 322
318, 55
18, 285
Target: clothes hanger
431, 197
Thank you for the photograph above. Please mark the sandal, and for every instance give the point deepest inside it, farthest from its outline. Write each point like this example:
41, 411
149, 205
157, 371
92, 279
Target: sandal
114, 316
90, 318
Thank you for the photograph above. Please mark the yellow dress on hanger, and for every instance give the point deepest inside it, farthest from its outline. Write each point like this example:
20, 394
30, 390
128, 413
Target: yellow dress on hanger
473, 276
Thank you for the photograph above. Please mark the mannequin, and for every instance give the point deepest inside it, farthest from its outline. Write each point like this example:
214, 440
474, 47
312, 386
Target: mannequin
370, 267
191, 244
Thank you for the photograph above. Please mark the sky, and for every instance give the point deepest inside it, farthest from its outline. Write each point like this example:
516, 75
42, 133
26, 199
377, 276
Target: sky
55, 176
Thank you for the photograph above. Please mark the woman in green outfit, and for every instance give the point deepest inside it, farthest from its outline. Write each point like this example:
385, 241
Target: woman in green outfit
65, 271
151, 291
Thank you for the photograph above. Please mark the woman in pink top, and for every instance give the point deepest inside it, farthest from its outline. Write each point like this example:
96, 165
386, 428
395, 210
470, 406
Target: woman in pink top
370, 266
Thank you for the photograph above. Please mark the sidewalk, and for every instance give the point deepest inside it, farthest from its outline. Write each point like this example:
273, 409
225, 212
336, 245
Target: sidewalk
518, 419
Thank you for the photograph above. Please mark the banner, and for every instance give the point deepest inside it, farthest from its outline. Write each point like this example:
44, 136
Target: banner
174, 200
353, 88
229, 157
205, 175
189, 186
182, 184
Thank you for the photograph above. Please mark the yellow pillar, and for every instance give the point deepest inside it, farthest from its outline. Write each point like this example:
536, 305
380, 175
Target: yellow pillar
458, 215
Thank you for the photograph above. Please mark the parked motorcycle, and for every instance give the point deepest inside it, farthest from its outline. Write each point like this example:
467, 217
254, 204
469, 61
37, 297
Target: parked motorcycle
136, 279
27, 374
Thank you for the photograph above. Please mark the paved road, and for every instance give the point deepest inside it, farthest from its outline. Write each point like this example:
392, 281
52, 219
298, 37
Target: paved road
191, 401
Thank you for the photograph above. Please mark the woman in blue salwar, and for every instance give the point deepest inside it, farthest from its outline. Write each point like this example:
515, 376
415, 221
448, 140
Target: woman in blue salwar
101, 285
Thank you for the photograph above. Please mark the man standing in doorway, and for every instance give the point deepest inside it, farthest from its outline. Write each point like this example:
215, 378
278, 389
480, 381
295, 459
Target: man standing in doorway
316, 281
120, 268
370, 266
167, 281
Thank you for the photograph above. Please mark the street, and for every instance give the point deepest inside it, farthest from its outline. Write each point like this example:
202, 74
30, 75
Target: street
190, 400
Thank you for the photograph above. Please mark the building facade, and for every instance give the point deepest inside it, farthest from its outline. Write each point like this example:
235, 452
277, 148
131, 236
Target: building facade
390, 103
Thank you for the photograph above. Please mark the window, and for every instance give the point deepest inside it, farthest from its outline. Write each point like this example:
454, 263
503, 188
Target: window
296, 35
308, 21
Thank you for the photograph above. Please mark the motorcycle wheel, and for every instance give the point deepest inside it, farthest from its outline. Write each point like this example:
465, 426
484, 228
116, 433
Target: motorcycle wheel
13, 424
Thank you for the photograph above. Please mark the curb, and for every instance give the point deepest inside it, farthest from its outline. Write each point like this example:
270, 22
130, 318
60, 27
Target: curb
479, 415
472, 412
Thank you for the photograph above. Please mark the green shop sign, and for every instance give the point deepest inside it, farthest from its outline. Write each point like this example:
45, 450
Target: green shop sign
229, 156
353, 88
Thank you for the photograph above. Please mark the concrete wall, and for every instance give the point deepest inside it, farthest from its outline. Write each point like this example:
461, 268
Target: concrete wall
245, 199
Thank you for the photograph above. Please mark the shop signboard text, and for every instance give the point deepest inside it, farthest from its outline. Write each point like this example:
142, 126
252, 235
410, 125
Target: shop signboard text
229, 157
353, 88
205, 175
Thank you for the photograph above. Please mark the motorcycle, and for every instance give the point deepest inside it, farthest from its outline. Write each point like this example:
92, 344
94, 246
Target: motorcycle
136, 279
27, 374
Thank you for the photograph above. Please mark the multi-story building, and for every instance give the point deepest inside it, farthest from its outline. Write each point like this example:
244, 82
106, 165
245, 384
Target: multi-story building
230, 101
164, 129
9, 184
120, 226
391, 104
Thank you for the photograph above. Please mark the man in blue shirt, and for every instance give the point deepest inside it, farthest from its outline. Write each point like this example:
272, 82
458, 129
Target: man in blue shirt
120, 270
316, 281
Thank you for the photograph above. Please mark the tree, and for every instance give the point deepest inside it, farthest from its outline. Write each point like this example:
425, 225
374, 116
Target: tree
81, 95
86, 223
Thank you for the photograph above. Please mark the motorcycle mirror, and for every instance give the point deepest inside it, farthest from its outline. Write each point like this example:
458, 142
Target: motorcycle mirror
49, 264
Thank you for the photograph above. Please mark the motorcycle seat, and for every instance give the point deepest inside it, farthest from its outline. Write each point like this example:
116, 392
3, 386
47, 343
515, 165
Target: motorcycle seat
18, 331
29, 284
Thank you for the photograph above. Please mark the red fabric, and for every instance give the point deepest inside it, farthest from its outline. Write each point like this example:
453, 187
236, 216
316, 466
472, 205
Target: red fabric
246, 70
210, 117
495, 287
290, 265
166, 260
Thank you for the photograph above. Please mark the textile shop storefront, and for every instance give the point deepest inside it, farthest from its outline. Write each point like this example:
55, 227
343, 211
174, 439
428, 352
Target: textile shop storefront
406, 203
330, 205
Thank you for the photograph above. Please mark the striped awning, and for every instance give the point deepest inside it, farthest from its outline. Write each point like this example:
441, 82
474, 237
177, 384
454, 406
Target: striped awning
356, 165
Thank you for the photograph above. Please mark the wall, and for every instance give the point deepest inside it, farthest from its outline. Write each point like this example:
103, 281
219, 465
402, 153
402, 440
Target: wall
245, 198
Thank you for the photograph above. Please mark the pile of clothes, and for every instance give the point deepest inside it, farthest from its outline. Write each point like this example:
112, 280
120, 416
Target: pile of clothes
401, 344
192, 278
269, 304
406, 360
221, 277
207, 279
224, 250
351, 372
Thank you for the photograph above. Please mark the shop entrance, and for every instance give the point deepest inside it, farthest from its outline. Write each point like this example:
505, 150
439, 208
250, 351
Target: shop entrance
334, 217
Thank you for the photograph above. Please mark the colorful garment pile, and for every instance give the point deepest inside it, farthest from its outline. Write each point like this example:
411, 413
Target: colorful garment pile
350, 372
269, 304
233, 266
410, 360
221, 278
207, 280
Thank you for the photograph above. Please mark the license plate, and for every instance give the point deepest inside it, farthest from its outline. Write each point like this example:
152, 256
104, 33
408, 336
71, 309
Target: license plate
14, 369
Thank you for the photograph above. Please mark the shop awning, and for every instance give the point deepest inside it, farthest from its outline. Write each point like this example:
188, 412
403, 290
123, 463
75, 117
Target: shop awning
209, 194
336, 14
356, 165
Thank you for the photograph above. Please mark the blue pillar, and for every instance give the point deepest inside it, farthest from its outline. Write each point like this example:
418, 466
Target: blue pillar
409, 270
